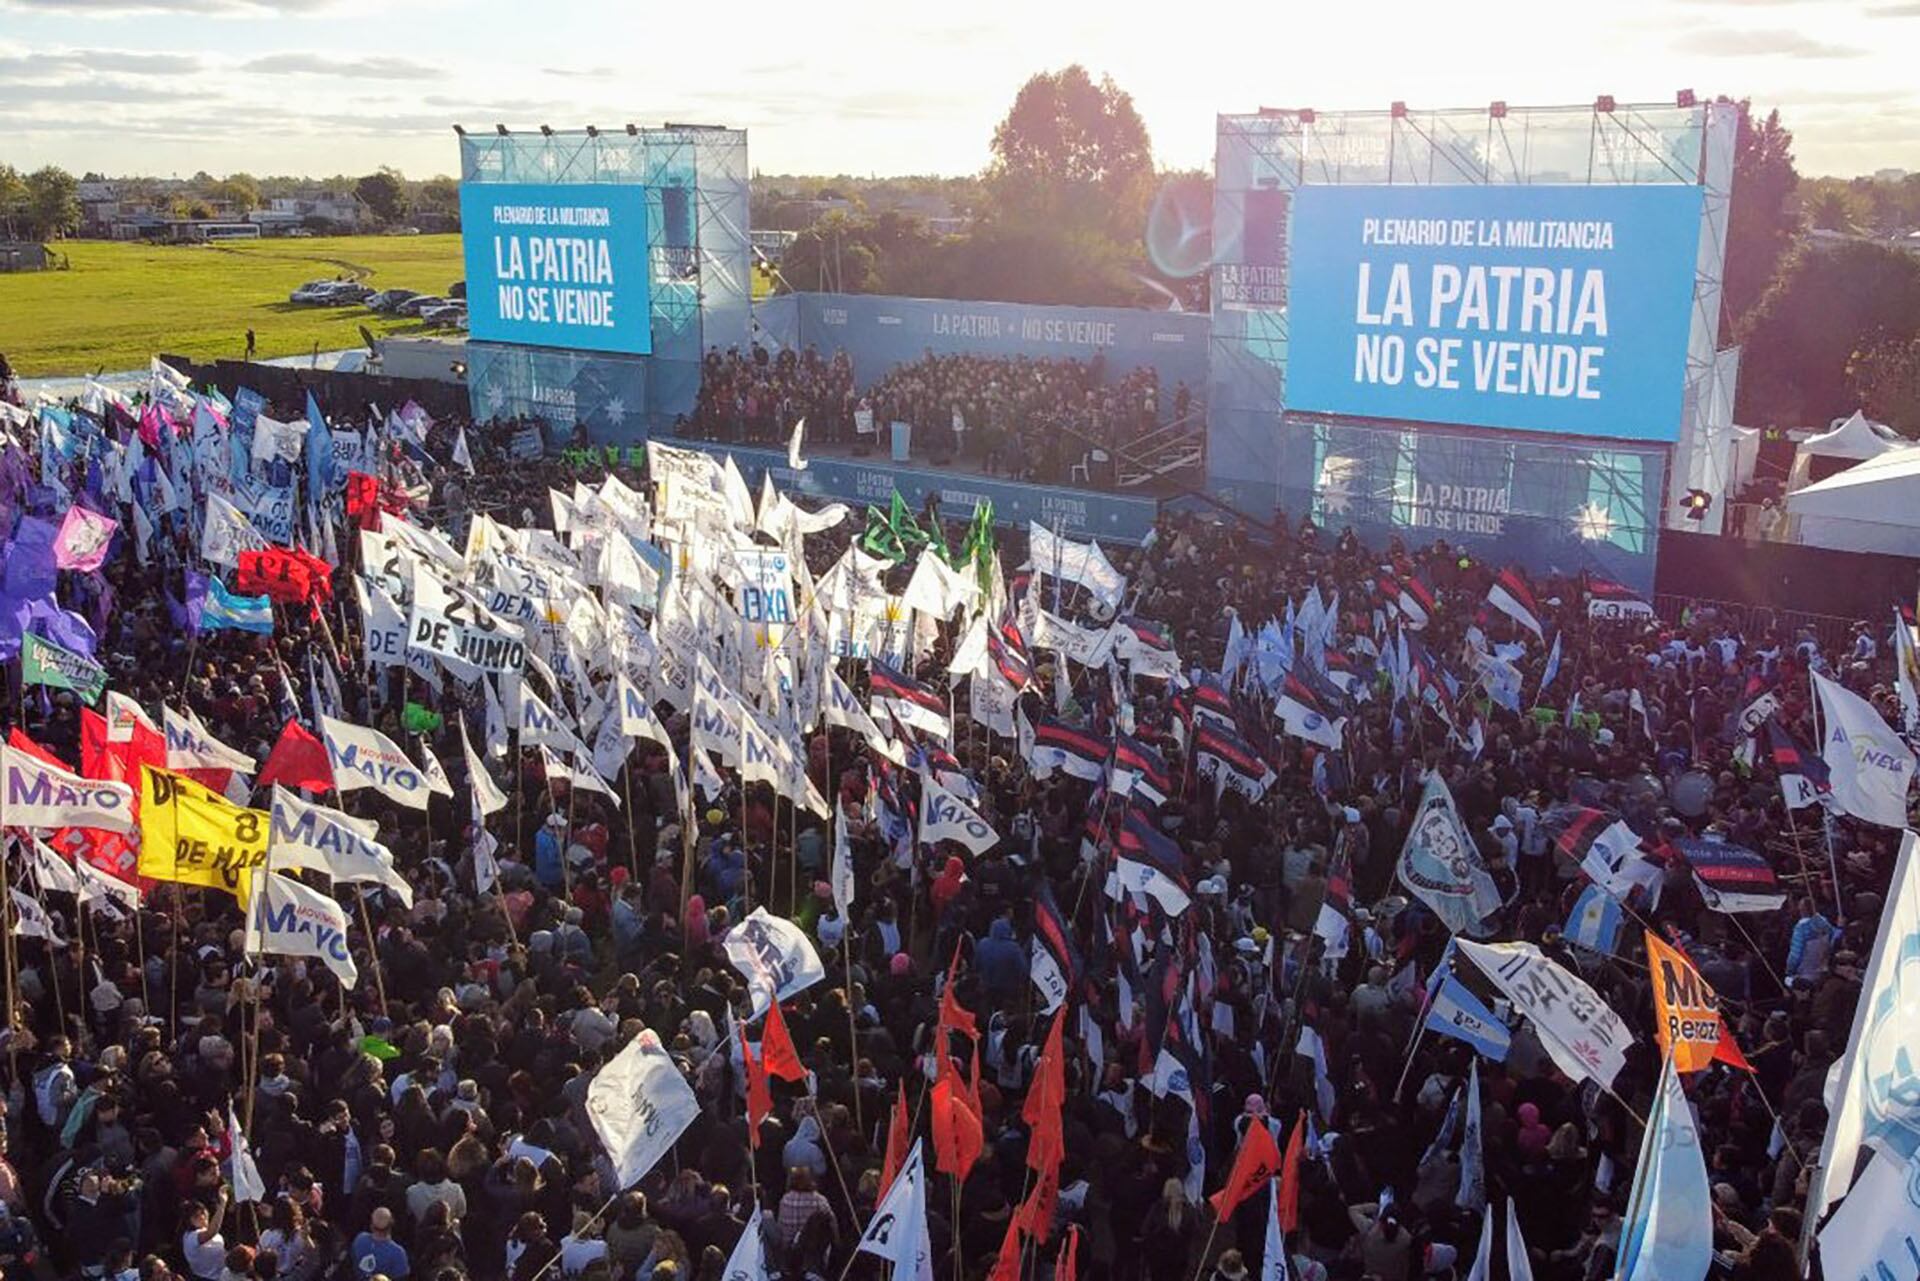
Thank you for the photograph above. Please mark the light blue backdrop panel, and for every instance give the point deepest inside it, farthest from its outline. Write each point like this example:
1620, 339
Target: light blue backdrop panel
1549, 505
880, 332
558, 265
1558, 309
1076, 513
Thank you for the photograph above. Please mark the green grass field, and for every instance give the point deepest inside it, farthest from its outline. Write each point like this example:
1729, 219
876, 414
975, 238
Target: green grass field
121, 303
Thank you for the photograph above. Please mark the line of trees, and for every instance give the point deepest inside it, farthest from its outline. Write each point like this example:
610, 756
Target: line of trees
42, 205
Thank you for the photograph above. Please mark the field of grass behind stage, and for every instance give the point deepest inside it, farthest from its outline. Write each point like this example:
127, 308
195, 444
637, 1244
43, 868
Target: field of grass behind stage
122, 302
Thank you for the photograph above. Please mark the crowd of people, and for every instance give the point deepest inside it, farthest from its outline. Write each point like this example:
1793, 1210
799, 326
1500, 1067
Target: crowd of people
431, 1122
1026, 418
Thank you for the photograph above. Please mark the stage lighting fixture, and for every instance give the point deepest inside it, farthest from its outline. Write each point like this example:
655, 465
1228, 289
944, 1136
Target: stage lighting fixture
501, 130
633, 131
1604, 103
458, 368
546, 131
461, 130
1696, 502
1399, 110
1684, 98
1306, 115
593, 131
1498, 110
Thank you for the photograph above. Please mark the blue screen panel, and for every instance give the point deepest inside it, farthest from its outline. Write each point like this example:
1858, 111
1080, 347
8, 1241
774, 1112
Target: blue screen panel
558, 265
1549, 308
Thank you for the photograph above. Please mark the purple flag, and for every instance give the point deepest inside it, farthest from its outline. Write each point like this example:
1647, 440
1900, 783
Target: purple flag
196, 599
30, 567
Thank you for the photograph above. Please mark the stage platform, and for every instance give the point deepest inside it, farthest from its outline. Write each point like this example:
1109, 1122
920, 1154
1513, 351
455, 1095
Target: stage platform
838, 473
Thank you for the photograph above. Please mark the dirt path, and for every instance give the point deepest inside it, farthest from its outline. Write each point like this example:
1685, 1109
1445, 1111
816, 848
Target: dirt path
354, 271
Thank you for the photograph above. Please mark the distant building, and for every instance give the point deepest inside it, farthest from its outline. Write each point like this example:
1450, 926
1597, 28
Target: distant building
286, 212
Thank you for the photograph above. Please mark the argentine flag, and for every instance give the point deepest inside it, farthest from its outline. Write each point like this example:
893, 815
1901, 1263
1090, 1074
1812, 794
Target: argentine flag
223, 608
1594, 922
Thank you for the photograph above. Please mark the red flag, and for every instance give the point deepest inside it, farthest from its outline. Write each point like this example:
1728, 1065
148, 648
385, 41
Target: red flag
1257, 1161
954, 1017
1289, 1195
759, 1097
112, 852
18, 740
1036, 1216
363, 500
898, 1136
1047, 1143
973, 1086
286, 574
297, 760
1067, 1266
957, 1136
777, 1054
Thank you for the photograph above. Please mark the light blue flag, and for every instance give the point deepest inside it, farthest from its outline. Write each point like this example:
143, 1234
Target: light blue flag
319, 454
1456, 1012
1553, 669
1668, 1233
225, 609
1594, 922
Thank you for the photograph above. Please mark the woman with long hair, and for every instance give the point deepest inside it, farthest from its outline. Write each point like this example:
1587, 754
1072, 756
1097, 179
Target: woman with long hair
1166, 1243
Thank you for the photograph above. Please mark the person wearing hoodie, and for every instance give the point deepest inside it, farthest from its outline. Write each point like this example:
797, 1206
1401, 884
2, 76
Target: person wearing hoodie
1000, 962
806, 1150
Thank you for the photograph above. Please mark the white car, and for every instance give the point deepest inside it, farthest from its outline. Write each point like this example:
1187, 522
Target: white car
316, 291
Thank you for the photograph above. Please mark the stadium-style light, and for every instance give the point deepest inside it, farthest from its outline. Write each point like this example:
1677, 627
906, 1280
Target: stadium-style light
461, 130
1399, 109
1696, 502
1684, 98
1306, 115
1499, 109
501, 130
546, 131
458, 369
593, 131
633, 131
1604, 104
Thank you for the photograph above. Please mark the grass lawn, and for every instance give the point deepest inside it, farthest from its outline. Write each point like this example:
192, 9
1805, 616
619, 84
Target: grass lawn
121, 303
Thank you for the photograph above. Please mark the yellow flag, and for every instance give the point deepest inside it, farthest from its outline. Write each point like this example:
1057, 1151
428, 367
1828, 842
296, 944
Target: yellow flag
191, 834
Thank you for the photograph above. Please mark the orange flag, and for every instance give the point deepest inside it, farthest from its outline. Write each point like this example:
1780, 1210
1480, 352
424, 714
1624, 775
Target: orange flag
1067, 1266
1006, 1264
1046, 1142
1257, 1161
1036, 1215
957, 1136
973, 1088
898, 1137
777, 1054
759, 1097
955, 1017
1686, 1014
1289, 1207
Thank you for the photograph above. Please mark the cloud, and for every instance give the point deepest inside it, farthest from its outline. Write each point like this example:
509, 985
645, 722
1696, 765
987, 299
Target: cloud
1765, 42
16, 63
320, 64
1903, 10
581, 73
94, 89
198, 8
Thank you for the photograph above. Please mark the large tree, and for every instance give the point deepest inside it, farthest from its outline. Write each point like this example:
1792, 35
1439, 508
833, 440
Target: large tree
1761, 220
1828, 307
53, 203
13, 201
1886, 378
385, 193
241, 190
1075, 150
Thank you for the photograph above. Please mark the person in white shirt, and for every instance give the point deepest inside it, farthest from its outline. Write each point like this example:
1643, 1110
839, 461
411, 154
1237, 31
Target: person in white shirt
204, 1249
581, 1248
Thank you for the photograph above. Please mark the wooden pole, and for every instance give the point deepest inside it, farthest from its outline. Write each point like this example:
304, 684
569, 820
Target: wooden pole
373, 950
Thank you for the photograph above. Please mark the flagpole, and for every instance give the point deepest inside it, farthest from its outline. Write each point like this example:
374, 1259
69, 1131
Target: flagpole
373, 949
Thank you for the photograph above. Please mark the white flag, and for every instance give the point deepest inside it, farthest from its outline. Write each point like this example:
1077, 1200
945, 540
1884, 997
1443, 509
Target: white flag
841, 876
1473, 1165
1273, 1260
433, 772
40, 795
1483, 1257
363, 757
1873, 1092
285, 918
1044, 972
31, 920
245, 1175
486, 793
776, 957
945, 817
1667, 1234
794, 460
50, 871
462, 456
898, 1230
1082, 563
227, 532
748, 1262
99, 889
705, 776
841, 708
190, 745
640, 1105
1871, 767
578, 773
316, 838
1519, 1266
1577, 1028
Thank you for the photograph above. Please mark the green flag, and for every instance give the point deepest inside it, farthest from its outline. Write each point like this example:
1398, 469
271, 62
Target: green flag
901, 518
416, 719
978, 547
892, 536
44, 663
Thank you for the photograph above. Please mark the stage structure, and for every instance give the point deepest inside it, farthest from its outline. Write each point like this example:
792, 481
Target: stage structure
601, 265
1495, 326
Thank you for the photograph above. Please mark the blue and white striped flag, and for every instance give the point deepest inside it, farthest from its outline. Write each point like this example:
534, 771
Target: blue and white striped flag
230, 610
1594, 922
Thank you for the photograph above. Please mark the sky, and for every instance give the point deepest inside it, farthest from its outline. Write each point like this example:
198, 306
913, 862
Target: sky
166, 87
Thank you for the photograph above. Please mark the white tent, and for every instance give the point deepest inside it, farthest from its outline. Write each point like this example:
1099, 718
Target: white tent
1873, 506
1845, 444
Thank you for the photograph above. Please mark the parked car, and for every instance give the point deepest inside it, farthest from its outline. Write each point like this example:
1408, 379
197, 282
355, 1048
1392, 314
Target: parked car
347, 292
315, 291
449, 315
417, 304
390, 299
